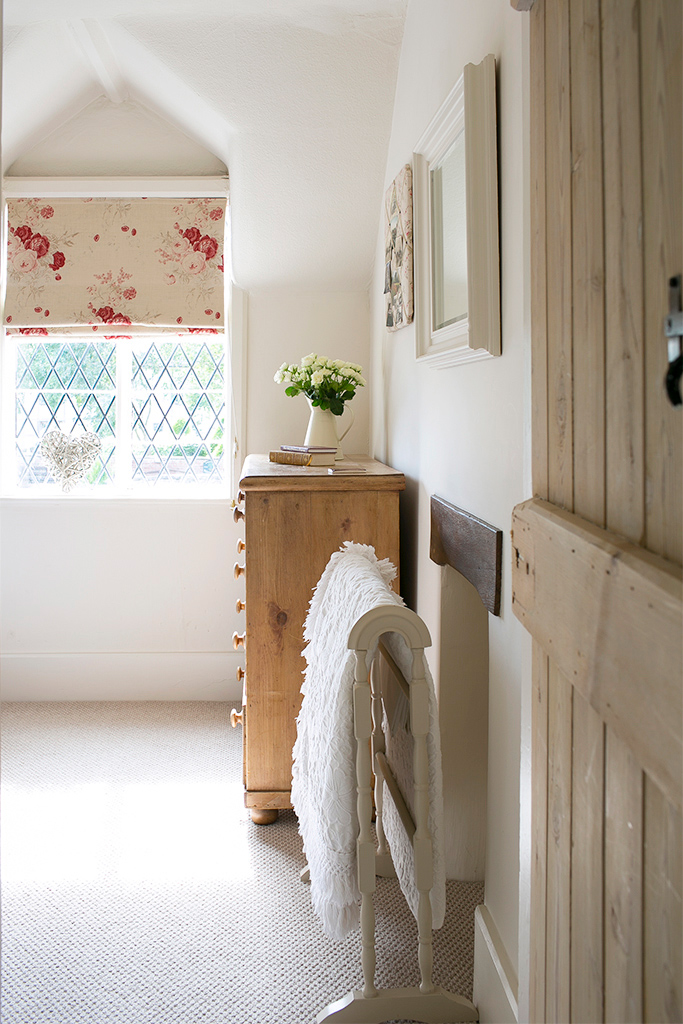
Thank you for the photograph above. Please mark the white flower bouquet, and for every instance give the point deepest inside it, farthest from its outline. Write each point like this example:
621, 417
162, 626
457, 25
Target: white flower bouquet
327, 383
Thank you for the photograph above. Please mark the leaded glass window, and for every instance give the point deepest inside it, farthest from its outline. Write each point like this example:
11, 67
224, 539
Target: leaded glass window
157, 404
178, 411
68, 386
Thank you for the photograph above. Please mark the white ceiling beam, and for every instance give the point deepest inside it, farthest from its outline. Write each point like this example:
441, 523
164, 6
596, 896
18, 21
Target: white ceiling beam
95, 47
161, 90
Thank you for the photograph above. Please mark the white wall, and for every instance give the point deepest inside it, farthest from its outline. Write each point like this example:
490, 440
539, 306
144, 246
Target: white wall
283, 327
460, 433
91, 141
117, 600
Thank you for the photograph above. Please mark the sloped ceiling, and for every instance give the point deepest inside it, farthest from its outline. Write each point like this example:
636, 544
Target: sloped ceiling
295, 98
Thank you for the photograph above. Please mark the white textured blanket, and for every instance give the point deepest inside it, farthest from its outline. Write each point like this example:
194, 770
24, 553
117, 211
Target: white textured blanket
324, 777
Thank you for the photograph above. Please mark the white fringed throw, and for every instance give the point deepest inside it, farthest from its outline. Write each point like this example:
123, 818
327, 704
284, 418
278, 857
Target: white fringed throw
324, 775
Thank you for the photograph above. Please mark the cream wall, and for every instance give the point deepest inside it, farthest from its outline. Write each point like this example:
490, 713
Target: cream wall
462, 433
285, 325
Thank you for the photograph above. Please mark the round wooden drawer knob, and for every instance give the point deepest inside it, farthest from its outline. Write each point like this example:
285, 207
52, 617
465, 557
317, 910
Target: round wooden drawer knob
238, 641
236, 717
239, 674
239, 571
237, 514
241, 546
240, 605
240, 497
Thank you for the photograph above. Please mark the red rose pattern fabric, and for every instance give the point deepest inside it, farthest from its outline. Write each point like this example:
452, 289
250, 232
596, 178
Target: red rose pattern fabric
85, 265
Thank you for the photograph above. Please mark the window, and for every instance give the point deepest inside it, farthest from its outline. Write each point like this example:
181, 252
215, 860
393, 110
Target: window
80, 273
157, 404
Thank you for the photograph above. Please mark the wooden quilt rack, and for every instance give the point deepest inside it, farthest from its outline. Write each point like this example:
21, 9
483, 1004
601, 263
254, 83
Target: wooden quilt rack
428, 1003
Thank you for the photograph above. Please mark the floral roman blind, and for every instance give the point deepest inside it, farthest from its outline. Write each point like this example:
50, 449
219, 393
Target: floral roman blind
115, 266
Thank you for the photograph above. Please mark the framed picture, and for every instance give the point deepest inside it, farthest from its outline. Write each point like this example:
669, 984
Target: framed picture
457, 263
398, 250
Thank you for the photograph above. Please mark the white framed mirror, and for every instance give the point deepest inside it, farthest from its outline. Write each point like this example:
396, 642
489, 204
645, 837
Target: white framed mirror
455, 225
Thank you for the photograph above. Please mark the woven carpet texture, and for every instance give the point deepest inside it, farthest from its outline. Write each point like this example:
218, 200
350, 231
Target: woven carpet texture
137, 890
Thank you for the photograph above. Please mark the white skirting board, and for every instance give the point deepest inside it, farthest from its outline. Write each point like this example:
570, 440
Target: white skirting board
120, 676
495, 984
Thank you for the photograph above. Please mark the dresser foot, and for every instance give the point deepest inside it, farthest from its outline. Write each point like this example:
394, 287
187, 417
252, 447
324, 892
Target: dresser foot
263, 817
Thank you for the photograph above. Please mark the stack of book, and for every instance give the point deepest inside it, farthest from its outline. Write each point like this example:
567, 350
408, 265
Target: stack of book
304, 455
346, 467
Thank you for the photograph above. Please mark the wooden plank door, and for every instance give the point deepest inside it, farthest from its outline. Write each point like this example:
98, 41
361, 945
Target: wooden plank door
597, 554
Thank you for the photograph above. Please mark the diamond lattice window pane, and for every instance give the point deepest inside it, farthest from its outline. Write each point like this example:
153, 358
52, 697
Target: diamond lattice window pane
176, 392
178, 412
67, 386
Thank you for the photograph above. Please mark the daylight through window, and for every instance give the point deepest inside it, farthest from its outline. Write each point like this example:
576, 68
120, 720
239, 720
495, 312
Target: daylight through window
157, 405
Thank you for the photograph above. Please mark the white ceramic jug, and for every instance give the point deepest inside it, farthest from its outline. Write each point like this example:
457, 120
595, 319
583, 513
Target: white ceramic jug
322, 429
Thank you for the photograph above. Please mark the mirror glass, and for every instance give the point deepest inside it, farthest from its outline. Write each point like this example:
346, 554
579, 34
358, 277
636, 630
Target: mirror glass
449, 237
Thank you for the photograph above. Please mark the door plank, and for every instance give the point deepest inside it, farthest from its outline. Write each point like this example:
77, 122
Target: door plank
539, 326
559, 249
588, 262
605, 77
587, 936
623, 884
661, 35
624, 631
539, 831
663, 909
558, 892
624, 269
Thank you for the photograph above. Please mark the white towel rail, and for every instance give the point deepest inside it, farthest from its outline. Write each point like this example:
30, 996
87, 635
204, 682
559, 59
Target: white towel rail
428, 1002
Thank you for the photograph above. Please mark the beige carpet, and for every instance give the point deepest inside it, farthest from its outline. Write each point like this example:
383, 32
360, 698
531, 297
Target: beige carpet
136, 889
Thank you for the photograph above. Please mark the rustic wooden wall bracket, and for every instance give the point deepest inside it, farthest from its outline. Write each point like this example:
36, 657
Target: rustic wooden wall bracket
470, 546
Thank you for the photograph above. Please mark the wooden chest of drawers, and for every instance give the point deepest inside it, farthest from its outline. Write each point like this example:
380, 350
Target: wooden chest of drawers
294, 520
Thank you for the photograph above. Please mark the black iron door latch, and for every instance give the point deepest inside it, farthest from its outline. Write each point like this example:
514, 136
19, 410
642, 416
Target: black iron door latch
673, 329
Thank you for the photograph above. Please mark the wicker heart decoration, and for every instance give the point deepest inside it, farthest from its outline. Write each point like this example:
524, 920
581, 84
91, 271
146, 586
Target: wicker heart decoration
69, 458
